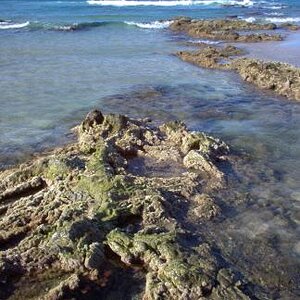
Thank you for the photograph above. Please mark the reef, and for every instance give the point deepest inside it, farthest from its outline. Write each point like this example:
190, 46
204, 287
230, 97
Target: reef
110, 210
281, 78
230, 30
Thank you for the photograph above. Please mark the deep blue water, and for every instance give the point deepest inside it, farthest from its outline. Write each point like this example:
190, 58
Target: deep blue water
59, 59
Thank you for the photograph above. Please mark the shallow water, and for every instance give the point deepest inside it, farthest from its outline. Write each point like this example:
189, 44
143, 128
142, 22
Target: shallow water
286, 51
52, 74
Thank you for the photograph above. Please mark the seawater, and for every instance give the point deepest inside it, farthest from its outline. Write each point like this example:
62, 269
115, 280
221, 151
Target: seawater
59, 59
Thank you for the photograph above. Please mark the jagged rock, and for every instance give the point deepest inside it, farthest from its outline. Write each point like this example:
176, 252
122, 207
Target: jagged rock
73, 211
282, 78
94, 257
225, 30
62, 290
211, 57
93, 118
206, 207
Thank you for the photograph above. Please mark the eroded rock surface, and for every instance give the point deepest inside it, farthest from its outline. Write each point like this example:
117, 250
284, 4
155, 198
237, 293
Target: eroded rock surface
281, 78
73, 217
211, 57
231, 30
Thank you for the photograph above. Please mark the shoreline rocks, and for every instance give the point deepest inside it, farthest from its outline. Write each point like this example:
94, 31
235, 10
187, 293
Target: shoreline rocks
281, 78
229, 30
73, 220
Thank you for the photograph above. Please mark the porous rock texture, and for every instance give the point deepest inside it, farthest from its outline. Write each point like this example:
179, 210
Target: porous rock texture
232, 30
118, 196
284, 79
281, 78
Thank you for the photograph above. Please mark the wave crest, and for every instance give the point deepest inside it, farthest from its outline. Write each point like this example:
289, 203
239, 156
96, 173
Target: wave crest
11, 25
282, 20
151, 25
170, 2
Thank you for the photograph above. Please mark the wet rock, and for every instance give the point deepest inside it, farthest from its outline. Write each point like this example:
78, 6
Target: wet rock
282, 78
290, 26
279, 77
225, 29
172, 272
228, 287
94, 214
93, 118
206, 207
211, 57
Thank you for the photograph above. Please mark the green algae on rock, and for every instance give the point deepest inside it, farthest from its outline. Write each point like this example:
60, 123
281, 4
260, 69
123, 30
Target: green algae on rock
79, 212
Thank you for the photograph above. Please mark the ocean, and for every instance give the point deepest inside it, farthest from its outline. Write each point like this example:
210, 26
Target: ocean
60, 59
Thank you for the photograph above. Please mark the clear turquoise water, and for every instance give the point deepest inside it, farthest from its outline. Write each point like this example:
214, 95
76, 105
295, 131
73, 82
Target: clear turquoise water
49, 78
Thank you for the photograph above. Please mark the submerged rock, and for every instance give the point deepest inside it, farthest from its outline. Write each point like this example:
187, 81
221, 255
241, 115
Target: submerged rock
73, 217
211, 57
279, 77
282, 78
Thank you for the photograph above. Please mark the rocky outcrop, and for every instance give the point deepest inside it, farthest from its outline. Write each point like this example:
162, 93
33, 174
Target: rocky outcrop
279, 77
116, 199
211, 57
231, 30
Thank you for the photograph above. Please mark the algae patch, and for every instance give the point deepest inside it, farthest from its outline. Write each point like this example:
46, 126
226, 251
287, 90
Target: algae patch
82, 213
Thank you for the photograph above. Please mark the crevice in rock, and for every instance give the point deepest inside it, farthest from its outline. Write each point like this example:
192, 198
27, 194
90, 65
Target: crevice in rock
13, 240
3, 210
132, 223
23, 190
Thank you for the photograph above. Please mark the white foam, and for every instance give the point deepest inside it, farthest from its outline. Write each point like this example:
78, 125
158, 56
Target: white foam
208, 42
249, 19
8, 25
151, 25
65, 27
275, 7
169, 2
240, 3
274, 14
282, 20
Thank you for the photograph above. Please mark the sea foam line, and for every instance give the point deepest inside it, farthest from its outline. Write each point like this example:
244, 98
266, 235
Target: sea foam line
169, 3
273, 14
151, 25
208, 42
282, 20
8, 25
248, 19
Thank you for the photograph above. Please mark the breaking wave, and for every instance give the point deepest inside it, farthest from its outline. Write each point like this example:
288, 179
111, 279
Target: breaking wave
170, 2
12, 25
151, 25
282, 20
34, 25
80, 26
